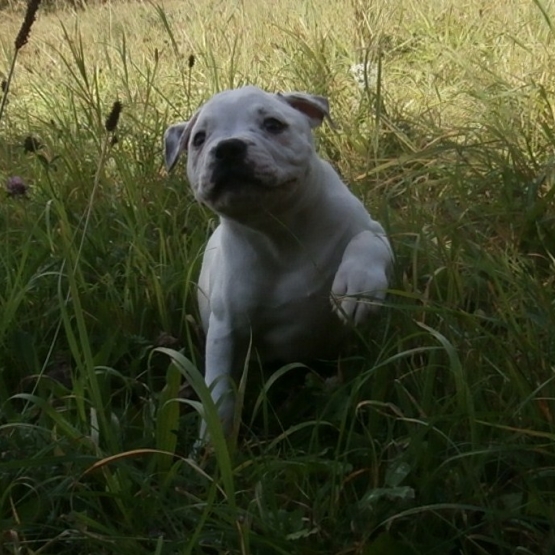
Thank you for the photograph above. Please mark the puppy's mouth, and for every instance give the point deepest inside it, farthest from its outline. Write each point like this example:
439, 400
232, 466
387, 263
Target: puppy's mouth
233, 176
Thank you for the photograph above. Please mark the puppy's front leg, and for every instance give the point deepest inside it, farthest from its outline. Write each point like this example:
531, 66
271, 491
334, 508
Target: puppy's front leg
362, 276
219, 362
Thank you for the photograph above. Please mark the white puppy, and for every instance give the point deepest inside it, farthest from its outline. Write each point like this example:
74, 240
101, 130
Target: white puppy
296, 255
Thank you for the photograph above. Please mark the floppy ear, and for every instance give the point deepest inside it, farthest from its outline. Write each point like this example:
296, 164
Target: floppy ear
176, 138
314, 107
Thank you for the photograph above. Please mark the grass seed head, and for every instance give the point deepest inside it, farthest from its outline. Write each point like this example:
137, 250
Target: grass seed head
191, 61
25, 31
113, 116
31, 144
4, 85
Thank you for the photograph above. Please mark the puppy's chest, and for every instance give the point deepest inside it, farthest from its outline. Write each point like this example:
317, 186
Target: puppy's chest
283, 302
277, 286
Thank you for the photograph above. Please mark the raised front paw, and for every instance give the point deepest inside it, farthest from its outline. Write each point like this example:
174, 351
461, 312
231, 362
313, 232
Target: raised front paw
357, 293
361, 282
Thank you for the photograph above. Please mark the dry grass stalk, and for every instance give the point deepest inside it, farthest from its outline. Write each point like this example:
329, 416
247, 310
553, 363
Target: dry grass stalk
20, 41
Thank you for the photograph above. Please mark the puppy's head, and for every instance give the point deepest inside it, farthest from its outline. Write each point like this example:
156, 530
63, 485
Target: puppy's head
247, 149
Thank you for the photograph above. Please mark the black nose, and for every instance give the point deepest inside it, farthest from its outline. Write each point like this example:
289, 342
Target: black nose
231, 149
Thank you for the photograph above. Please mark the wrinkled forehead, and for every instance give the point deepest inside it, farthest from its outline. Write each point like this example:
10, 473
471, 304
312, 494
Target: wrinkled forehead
243, 104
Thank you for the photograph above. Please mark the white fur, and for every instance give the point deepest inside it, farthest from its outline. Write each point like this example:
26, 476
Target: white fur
295, 250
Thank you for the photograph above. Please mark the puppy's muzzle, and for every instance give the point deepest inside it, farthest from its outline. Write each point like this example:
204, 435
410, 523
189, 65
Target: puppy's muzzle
230, 165
230, 150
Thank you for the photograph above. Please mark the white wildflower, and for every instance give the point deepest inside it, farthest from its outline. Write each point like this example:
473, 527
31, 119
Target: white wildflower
365, 75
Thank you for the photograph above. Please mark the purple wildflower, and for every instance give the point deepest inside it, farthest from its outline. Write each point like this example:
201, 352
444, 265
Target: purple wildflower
16, 187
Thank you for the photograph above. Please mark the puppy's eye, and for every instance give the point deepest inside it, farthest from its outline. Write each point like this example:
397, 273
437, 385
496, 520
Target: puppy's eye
273, 125
199, 138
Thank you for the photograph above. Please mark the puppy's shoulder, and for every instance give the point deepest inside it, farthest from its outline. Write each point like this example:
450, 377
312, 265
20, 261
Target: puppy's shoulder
336, 186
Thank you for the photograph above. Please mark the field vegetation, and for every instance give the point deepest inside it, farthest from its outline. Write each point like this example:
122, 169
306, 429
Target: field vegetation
434, 434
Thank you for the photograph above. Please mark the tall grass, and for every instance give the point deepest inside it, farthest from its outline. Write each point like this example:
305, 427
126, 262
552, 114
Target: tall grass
433, 434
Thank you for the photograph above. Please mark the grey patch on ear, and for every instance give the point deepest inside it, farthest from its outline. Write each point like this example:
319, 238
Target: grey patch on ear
315, 108
175, 142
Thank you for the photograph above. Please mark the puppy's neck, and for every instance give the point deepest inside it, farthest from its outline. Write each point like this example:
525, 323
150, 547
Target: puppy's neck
290, 216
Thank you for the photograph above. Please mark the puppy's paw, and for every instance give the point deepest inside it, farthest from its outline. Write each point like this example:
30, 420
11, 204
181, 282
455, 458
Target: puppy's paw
357, 293
361, 282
